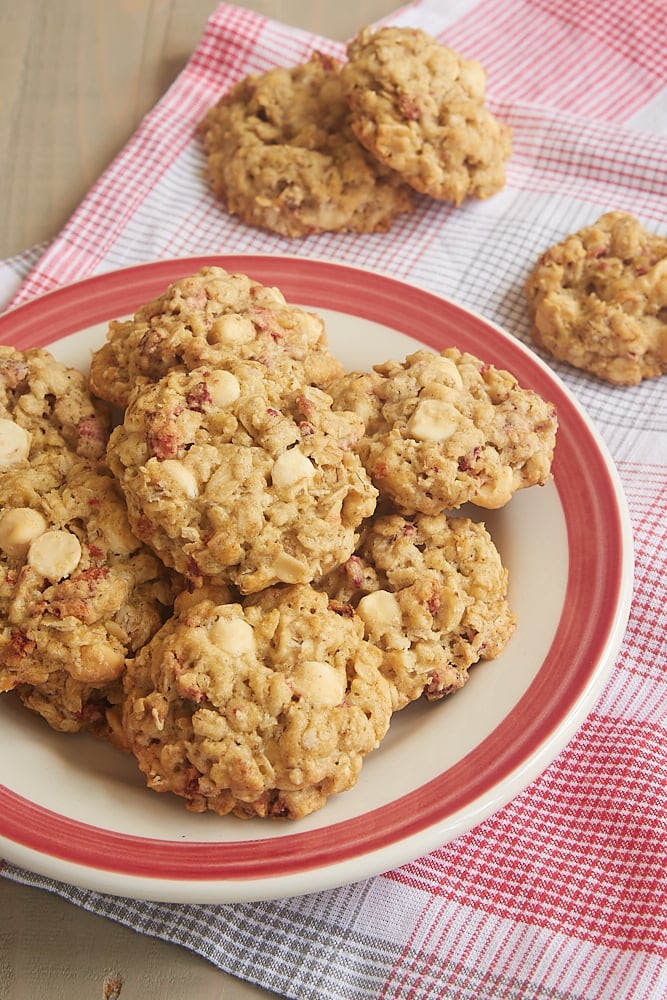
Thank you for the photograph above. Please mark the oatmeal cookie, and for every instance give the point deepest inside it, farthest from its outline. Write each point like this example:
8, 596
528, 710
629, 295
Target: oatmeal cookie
446, 429
419, 108
72, 706
598, 300
264, 708
282, 156
45, 406
78, 591
230, 481
205, 319
432, 593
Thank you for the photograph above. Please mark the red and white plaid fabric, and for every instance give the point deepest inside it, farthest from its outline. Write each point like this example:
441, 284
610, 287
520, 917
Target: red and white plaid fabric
563, 893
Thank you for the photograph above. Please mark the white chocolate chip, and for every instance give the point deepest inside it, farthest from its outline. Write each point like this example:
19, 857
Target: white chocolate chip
54, 554
496, 492
276, 295
433, 420
289, 569
177, 478
224, 388
18, 528
447, 371
319, 683
232, 329
234, 635
379, 612
14, 444
100, 663
291, 468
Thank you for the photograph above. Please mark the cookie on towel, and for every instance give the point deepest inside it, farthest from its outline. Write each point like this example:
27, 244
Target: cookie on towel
282, 156
419, 108
446, 429
205, 319
598, 300
264, 708
432, 593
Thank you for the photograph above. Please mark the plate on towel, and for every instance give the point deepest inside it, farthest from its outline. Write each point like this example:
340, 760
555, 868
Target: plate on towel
76, 810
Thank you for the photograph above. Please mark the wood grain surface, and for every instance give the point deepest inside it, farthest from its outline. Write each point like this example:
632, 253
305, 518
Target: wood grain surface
76, 77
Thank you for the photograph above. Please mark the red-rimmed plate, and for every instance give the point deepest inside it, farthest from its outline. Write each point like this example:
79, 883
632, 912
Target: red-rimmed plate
78, 811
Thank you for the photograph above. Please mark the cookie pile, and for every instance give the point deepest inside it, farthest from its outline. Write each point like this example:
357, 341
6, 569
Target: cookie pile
325, 146
264, 559
328, 147
79, 593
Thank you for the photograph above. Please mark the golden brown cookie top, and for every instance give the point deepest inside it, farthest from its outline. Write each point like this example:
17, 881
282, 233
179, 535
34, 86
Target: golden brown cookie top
281, 155
598, 300
46, 406
446, 429
78, 591
261, 709
231, 480
419, 108
432, 593
208, 318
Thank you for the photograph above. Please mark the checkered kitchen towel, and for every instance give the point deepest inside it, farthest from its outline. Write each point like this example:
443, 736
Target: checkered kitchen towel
563, 893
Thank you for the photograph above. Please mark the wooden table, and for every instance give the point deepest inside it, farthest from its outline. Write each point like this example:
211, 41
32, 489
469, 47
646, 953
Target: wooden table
76, 77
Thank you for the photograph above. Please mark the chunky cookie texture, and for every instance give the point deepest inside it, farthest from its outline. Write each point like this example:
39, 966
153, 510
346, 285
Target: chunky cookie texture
78, 591
230, 480
432, 593
419, 108
446, 429
259, 709
598, 300
282, 156
243, 580
209, 318
45, 406
72, 706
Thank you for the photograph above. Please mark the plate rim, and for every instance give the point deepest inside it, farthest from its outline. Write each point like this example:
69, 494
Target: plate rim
245, 882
